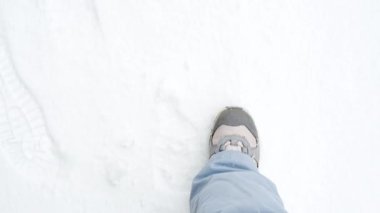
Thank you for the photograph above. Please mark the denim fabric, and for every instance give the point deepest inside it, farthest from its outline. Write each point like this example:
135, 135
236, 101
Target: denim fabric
230, 182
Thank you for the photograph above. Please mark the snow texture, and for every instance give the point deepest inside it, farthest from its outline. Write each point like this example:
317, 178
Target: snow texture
106, 106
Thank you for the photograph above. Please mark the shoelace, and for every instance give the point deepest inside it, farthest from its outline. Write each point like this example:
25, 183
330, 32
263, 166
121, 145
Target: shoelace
236, 143
231, 145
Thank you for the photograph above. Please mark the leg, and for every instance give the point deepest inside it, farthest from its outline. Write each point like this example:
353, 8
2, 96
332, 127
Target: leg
230, 182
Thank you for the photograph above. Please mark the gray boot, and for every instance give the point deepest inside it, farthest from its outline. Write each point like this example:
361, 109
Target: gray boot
235, 130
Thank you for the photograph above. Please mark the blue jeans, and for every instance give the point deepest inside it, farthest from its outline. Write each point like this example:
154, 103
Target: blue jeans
230, 182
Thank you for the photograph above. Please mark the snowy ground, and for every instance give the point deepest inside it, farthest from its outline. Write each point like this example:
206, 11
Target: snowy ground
129, 90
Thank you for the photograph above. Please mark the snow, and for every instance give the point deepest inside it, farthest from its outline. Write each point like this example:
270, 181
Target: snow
115, 100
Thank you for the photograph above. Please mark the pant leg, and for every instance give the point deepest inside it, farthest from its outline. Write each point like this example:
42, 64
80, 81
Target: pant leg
230, 182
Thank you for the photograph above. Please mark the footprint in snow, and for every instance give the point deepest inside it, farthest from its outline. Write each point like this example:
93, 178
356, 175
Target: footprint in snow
24, 138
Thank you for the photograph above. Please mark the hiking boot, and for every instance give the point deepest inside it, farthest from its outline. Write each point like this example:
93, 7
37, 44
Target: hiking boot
235, 130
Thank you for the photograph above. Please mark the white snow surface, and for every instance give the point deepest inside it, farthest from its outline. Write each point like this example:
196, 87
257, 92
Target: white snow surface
106, 105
